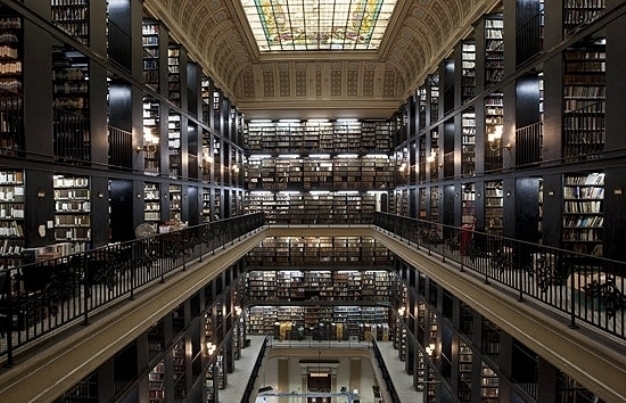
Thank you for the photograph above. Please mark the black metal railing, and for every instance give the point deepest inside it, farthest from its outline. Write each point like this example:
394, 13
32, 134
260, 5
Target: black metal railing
393, 394
529, 38
254, 374
41, 297
584, 288
584, 130
71, 136
529, 144
120, 147
119, 45
11, 119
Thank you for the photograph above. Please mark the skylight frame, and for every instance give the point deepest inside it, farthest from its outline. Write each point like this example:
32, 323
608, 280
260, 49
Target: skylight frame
318, 25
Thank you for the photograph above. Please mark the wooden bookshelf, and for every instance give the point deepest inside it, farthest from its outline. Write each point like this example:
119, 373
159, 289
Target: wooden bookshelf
174, 144
156, 383
72, 16
489, 385
494, 205
578, 13
434, 203
468, 200
179, 369
468, 145
152, 202
583, 212
433, 94
72, 211
584, 100
468, 70
176, 202
150, 43
494, 121
151, 135
494, 49
70, 89
11, 218
174, 73
465, 363
11, 80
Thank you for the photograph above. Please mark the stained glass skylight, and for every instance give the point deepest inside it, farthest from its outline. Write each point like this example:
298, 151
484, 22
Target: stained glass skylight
318, 24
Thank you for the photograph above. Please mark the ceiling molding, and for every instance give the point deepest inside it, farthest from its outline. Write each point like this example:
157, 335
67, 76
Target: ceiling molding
420, 33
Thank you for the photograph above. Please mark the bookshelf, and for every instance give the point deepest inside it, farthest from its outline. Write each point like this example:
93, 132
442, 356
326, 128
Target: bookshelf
489, 385
319, 136
151, 135
468, 210
583, 216
174, 74
433, 89
468, 145
434, 203
156, 383
179, 369
205, 211
176, 202
156, 339
84, 391
11, 42
580, 12
468, 71
490, 346
70, 89
72, 211
72, 16
152, 201
494, 49
174, 144
584, 100
494, 121
465, 359
11, 217
150, 43
494, 204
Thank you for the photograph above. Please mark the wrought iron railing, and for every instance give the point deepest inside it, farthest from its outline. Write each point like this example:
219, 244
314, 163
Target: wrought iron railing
529, 38
119, 45
529, 144
120, 147
11, 120
71, 136
585, 288
39, 298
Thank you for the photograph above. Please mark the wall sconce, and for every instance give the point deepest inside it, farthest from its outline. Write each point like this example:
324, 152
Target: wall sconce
149, 148
430, 349
237, 310
41, 193
432, 157
210, 348
495, 139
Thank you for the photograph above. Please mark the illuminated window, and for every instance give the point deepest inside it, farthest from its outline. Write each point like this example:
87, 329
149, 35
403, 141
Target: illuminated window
318, 25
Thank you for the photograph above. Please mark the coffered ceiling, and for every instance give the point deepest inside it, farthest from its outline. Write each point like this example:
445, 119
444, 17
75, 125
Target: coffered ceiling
318, 83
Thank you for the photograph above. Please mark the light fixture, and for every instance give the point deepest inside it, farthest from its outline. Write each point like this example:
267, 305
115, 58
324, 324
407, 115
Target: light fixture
402, 311
432, 157
495, 139
430, 349
150, 148
210, 348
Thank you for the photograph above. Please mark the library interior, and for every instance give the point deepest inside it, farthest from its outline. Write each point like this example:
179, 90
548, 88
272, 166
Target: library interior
295, 201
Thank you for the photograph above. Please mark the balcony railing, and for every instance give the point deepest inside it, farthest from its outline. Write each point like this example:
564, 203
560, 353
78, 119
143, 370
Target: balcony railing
11, 122
120, 148
71, 136
529, 38
39, 298
529, 144
584, 288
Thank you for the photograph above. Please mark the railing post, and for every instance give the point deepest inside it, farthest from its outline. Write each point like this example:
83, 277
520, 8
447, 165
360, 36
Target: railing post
572, 323
86, 291
9, 327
